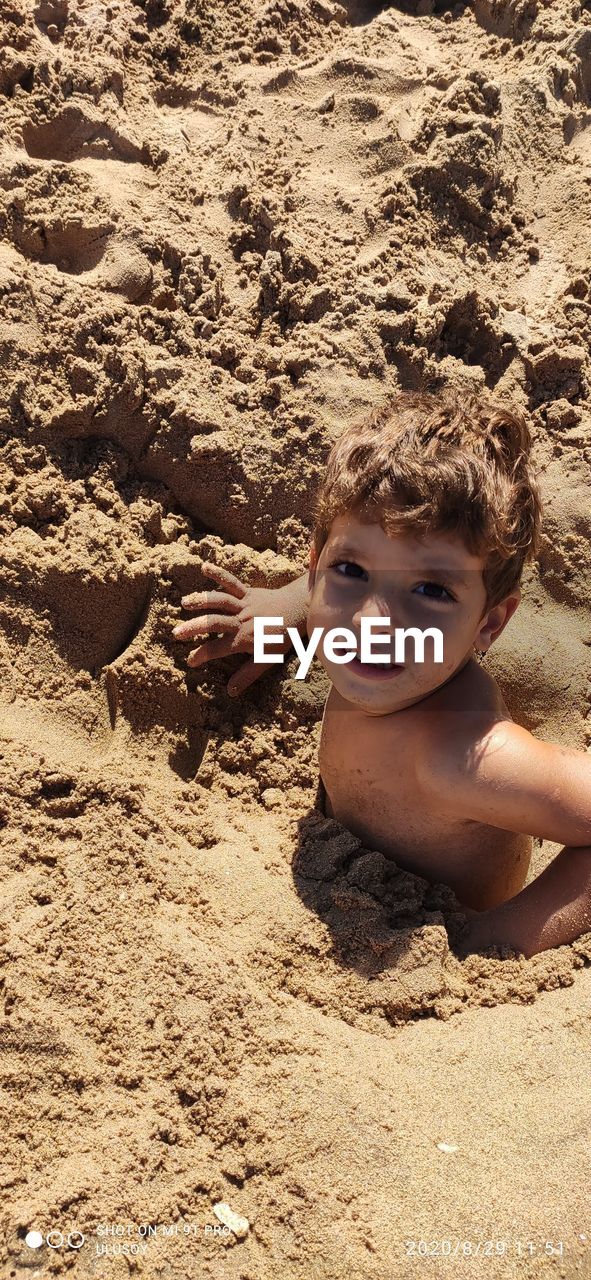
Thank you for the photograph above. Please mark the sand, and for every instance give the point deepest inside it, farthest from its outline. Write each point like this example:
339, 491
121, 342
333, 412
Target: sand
226, 229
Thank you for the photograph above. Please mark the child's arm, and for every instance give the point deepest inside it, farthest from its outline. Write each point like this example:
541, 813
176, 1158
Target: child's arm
514, 781
229, 614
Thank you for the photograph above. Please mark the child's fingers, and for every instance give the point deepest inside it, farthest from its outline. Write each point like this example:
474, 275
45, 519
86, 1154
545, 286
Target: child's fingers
224, 578
211, 600
211, 622
246, 675
209, 651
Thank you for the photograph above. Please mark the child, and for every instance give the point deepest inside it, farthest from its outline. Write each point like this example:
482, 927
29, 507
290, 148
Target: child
426, 516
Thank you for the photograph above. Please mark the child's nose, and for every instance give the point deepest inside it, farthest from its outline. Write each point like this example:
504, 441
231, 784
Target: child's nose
373, 607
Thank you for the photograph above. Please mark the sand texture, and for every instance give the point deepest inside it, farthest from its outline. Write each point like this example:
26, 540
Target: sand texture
226, 229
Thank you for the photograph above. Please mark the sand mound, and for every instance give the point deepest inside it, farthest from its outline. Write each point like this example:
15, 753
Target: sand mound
225, 231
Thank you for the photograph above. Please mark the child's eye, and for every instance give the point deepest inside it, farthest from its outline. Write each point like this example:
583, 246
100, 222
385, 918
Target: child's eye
349, 569
434, 591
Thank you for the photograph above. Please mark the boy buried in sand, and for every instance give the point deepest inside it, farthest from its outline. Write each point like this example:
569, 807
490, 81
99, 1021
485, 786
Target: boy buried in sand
426, 516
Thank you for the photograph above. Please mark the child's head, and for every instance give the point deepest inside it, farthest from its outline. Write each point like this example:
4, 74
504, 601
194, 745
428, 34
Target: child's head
435, 463
427, 514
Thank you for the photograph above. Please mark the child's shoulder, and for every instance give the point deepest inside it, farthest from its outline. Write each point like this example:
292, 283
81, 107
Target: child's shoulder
459, 720
498, 773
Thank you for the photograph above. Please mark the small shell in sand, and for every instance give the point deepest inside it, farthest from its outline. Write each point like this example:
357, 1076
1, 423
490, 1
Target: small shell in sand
240, 1226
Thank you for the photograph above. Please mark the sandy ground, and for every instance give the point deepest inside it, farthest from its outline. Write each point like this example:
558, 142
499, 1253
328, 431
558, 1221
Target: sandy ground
226, 229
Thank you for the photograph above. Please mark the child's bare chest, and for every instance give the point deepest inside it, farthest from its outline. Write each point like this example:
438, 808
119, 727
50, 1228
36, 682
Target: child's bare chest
370, 775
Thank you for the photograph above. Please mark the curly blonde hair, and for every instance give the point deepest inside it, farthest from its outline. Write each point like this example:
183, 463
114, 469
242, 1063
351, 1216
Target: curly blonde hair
434, 463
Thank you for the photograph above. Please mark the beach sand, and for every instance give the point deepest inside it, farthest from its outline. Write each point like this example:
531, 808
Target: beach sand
228, 229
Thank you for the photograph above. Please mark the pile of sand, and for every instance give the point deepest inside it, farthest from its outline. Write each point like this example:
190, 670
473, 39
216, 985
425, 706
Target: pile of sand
226, 230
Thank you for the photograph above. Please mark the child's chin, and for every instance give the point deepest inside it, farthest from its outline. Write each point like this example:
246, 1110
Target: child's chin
364, 691
374, 706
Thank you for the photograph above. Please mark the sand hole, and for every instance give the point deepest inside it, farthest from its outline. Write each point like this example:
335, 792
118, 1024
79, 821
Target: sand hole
362, 12
185, 758
469, 335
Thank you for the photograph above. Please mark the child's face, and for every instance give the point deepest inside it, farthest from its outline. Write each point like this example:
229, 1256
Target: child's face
432, 581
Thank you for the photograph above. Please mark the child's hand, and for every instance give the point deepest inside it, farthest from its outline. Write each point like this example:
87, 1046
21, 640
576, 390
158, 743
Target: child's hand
228, 614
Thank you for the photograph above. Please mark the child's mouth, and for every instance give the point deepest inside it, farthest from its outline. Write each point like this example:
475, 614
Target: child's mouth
374, 670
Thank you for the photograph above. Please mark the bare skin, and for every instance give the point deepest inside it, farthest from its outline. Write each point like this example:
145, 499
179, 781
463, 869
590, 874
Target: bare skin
228, 615
422, 760
381, 791
382, 735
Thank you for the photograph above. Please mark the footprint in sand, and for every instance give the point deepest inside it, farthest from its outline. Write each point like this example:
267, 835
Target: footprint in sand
79, 131
89, 250
118, 266
82, 244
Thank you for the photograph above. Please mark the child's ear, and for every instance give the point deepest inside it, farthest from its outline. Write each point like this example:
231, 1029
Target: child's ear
496, 620
312, 565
